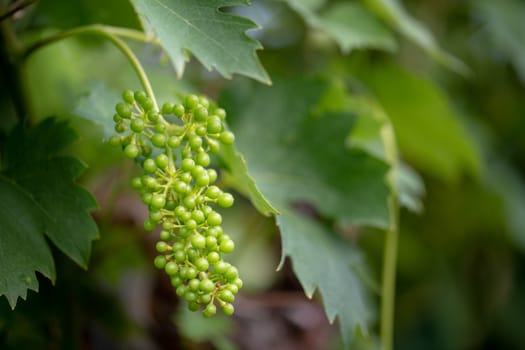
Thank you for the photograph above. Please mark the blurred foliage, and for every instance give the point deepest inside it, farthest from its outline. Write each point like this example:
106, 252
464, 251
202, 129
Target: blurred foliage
461, 271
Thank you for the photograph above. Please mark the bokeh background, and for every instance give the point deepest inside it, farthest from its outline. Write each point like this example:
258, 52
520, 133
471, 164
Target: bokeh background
461, 270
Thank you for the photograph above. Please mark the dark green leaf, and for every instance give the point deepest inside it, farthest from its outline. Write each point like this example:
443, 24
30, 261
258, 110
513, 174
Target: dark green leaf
23, 249
334, 271
296, 156
216, 38
32, 162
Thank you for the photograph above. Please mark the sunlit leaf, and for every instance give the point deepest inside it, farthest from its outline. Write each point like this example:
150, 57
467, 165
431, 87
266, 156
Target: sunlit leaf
216, 38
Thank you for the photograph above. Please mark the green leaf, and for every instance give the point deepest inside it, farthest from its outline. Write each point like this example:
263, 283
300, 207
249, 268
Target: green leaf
393, 12
304, 160
374, 134
349, 24
23, 249
34, 164
97, 106
505, 27
428, 130
216, 38
244, 183
334, 271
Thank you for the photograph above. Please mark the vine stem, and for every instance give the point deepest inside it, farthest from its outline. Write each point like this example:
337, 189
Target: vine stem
388, 291
109, 33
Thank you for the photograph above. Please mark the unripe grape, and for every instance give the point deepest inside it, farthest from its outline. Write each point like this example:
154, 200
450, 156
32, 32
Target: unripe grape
212, 174
231, 274
158, 201
153, 116
158, 140
221, 113
213, 145
123, 109
176, 281
227, 137
226, 296
201, 130
146, 104
202, 180
220, 267
194, 284
193, 305
213, 257
189, 201
198, 241
214, 125
198, 216
127, 96
149, 225
115, 140
155, 215
174, 141
209, 310
213, 192
191, 101
136, 183
191, 224
204, 101
162, 161
227, 309
181, 290
167, 108
131, 150
187, 164
137, 125
211, 242
200, 114
178, 110
207, 286
225, 200
195, 142
214, 219
160, 261
179, 256
203, 159
171, 268
149, 165
202, 264
227, 246
165, 235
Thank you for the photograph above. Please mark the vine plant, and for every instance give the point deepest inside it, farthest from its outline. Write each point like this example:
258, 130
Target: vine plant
172, 144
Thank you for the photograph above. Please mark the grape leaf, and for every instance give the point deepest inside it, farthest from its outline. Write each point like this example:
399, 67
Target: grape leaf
23, 249
334, 271
245, 183
374, 134
427, 128
349, 24
216, 38
34, 164
506, 29
97, 106
393, 12
304, 160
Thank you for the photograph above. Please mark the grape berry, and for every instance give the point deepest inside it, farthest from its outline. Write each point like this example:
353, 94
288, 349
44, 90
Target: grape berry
173, 145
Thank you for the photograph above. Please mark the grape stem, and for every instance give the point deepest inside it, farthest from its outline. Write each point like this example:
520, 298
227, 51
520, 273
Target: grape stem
112, 34
388, 291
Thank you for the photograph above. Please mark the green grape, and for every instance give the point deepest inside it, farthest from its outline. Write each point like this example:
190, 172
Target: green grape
167, 108
158, 140
124, 110
137, 125
149, 165
227, 309
177, 185
127, 96
131, 151
227, 137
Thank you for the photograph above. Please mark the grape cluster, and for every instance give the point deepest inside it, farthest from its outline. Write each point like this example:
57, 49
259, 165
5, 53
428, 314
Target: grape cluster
173, 147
